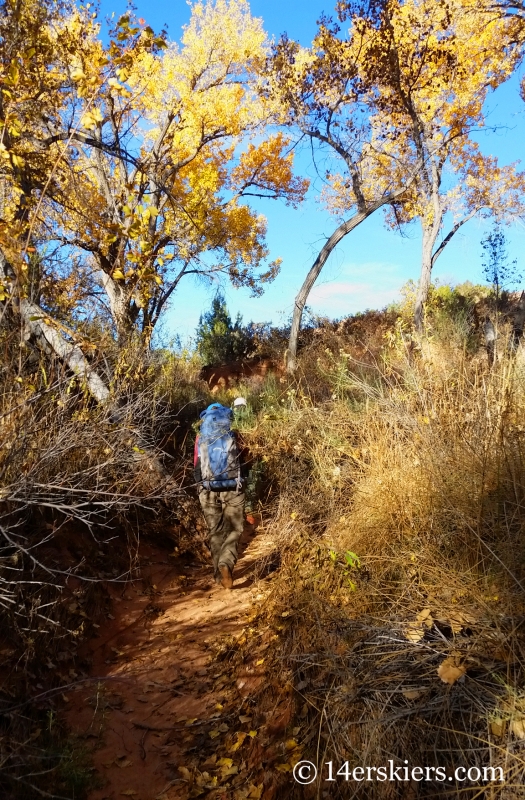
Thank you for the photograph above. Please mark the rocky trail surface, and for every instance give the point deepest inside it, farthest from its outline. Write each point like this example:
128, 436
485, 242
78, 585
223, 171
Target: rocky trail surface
167, 702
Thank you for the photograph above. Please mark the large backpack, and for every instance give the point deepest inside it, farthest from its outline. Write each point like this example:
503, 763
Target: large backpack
218, 451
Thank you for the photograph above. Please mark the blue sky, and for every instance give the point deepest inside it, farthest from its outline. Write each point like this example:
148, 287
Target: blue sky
371, 264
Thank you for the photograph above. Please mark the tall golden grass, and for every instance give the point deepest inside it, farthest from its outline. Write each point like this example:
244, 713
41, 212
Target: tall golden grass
401, 525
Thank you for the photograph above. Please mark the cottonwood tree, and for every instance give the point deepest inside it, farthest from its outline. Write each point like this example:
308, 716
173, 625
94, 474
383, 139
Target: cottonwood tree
480, 187
391, 105
157, 189
36, 41
136, 154
324, 93
434, 67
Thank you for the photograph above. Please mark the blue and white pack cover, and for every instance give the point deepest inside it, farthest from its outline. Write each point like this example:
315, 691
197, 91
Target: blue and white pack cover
218, 451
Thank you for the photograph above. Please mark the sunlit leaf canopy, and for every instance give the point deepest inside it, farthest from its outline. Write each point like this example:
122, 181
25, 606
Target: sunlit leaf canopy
390, 95
143, 151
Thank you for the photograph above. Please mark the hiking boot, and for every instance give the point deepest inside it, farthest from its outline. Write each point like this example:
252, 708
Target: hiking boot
226, 576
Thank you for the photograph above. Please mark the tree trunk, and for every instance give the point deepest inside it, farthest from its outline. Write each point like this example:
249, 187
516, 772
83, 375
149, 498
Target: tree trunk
313, 274
123, 313
428, 261
424, 279
36, 321
366, 210
490, 340
39, 324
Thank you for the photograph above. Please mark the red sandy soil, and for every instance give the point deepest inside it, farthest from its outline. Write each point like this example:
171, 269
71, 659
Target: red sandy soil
165, 698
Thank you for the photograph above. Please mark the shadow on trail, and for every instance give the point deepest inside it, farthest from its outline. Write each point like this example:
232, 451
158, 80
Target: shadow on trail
163, 659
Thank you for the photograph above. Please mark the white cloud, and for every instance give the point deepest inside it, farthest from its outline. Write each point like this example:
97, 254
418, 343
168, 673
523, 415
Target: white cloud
372, 269
368, 285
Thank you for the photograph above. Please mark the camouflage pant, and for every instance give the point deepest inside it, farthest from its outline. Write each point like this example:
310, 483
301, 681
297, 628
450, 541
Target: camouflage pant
224, 515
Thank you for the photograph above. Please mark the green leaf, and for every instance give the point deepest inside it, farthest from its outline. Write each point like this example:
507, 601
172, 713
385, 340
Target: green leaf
352, 559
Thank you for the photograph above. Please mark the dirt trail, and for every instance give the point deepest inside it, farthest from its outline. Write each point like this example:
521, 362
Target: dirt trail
168, 695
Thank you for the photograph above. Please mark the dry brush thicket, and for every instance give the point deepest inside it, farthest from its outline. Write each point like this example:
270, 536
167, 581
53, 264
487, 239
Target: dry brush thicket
399, 609
80, 485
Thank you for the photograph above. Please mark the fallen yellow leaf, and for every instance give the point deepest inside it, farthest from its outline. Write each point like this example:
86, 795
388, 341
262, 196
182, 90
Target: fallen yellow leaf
425, 617
206, 781
497, 727
450, 670
186, 774
456, 623
241, 736
414, 634
459, 620
517, 727
412, 694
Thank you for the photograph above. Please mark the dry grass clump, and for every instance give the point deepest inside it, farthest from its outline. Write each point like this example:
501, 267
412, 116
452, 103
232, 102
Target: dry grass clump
363, 337
403, 572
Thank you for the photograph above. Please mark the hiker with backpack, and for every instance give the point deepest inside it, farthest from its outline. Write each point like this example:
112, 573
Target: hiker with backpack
219, 479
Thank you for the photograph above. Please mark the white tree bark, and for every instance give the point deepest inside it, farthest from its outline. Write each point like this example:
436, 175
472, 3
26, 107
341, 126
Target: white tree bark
40, 325
424, 280
118, 303
313, 274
